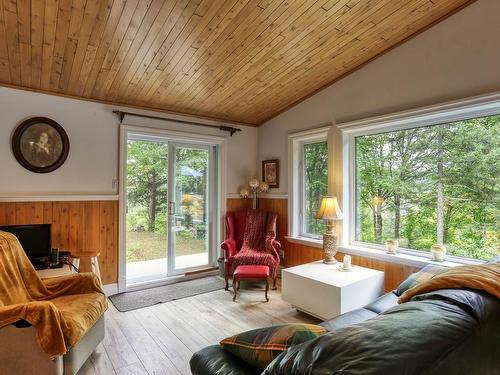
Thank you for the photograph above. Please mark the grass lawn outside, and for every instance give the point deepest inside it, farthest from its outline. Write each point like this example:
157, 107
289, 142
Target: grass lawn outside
143, 246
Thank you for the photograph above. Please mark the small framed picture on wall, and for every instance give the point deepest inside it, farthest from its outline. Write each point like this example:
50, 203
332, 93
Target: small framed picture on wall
271, 173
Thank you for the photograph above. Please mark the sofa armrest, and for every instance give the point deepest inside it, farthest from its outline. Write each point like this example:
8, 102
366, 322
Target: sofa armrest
215, 360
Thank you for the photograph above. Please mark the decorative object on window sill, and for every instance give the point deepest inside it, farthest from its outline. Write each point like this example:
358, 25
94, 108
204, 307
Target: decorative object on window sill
329, 210
256, 186
392, 246
271, 173
347, 262
438, 252
40, 145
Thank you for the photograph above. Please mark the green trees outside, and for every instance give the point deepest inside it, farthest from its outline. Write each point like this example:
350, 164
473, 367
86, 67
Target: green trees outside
315, 185
436, 184
147, 185
147, 200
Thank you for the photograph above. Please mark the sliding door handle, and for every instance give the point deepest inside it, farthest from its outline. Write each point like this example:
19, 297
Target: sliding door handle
171, 208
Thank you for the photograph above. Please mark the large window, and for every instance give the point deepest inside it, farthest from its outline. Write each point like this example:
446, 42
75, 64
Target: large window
315, 185
433, 184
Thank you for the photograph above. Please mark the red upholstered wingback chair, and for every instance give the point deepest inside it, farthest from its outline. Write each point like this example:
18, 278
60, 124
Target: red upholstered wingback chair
251, 240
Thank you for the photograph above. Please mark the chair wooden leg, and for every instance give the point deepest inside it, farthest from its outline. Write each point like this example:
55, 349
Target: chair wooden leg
274, 282
267, 289
235, 288
227, 282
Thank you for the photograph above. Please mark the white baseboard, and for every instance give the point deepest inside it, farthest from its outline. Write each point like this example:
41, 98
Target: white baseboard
110, 289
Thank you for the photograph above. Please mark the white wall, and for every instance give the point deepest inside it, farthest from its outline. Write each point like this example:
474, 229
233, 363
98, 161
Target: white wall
93, 131
454, 59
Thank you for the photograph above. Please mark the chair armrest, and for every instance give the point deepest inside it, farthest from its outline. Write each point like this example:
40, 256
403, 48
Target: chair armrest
276, 245
229, 248
272, 245
79, 283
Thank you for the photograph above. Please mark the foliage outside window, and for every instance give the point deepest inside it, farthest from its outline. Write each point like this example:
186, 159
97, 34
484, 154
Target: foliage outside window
147, 200
315, 186
434, 184
147, 186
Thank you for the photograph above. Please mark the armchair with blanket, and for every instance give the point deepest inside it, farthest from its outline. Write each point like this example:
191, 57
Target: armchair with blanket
251, 240
47, 326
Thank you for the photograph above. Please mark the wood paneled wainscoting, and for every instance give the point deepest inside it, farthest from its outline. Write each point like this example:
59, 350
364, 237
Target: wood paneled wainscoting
81, 227
295, 254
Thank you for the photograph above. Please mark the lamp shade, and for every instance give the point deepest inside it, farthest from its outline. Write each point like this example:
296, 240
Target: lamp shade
329, 209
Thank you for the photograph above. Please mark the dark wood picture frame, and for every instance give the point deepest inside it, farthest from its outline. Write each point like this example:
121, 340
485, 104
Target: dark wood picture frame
59, 153
274, 182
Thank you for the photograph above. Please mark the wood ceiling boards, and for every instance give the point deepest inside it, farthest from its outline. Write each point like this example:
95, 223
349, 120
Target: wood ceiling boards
237, 60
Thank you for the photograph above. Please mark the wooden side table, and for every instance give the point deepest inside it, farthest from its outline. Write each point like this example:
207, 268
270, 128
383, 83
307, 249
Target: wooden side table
65, 270
94, 263
68, 270
323, 291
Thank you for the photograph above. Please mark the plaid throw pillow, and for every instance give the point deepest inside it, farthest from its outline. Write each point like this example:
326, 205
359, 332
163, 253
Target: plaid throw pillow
259, 347
426, 273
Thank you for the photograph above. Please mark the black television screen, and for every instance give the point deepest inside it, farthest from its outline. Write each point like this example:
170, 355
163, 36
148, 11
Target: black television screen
35, 239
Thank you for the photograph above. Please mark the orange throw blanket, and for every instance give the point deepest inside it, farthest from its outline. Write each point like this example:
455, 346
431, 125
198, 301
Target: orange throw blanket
484, 277
62, 309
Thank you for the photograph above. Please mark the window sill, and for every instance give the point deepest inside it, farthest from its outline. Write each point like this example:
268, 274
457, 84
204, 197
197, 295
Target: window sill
373, 253
403, 258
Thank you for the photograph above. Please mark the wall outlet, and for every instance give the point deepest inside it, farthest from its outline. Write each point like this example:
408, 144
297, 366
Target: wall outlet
114, 183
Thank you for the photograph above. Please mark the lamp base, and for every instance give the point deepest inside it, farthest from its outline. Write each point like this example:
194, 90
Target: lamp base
330, 261
329, 247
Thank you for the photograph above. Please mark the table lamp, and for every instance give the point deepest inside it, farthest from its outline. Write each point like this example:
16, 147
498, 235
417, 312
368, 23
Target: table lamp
329, 210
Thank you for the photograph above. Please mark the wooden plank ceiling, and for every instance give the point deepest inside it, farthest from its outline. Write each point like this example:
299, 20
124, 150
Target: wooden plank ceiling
238, 60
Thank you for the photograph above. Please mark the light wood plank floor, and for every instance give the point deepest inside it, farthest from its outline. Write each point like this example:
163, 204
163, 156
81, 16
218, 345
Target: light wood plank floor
161, 339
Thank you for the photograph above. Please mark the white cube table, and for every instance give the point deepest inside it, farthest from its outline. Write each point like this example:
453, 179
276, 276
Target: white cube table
323, 291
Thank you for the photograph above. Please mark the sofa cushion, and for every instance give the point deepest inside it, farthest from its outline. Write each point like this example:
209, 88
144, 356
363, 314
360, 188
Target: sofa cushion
345, 320
426, 273
383, 303
259, 347
254, 257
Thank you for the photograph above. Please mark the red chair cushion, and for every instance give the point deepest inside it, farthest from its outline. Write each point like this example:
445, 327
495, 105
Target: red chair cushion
251, 272
254, 258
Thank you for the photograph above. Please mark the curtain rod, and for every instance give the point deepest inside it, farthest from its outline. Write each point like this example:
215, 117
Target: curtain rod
229, 129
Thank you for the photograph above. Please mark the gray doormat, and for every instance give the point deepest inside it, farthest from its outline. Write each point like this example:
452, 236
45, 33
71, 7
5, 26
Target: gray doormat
148, 297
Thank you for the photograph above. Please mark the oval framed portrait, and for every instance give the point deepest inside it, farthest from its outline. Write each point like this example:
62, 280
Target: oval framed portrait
40, 145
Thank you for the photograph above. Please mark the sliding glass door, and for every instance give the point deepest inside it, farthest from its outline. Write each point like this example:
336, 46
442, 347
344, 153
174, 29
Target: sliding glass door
170, 203
190, 206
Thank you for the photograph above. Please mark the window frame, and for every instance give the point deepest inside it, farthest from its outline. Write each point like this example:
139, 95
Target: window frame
302, 197
296, 183
481, 106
